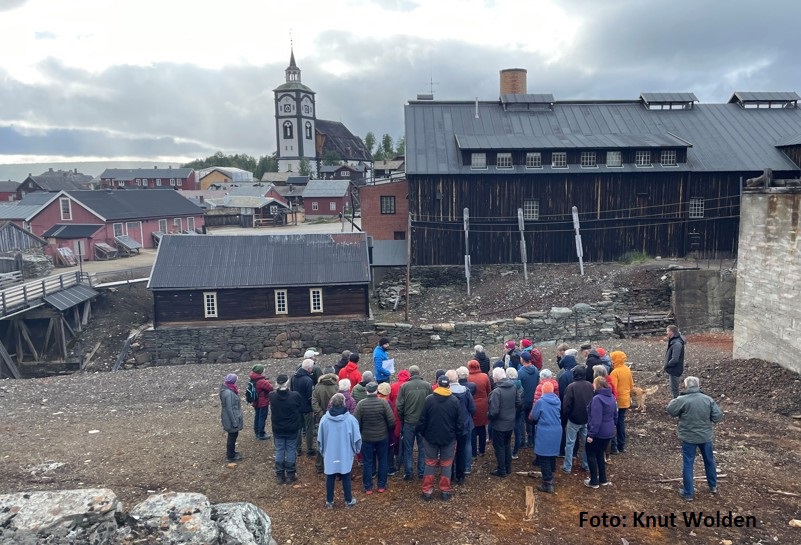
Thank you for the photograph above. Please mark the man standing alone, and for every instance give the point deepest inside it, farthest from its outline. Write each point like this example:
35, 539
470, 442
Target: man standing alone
379, 357
674, 358
696, 412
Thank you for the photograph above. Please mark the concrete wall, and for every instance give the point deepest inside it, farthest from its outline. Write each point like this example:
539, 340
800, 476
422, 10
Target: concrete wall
767, 321
703, 300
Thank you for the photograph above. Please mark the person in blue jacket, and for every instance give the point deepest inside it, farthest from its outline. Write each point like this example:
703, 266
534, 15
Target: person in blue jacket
379, 356
546, 413
339, 440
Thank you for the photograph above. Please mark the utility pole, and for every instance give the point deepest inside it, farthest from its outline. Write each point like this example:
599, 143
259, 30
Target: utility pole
579, 251
466, 214
408, 264
523, 254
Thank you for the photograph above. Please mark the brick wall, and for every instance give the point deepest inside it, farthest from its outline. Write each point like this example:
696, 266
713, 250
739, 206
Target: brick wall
383, 226
767, 320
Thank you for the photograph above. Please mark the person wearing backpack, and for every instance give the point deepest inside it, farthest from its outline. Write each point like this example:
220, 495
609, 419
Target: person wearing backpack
258, 395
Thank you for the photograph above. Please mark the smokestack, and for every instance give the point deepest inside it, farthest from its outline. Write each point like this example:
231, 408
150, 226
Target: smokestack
513, 81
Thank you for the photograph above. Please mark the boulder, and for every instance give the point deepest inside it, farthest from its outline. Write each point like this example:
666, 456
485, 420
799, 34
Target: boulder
175, 517
242, 524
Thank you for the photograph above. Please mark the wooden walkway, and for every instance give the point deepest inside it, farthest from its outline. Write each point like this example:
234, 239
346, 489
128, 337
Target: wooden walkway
19, 298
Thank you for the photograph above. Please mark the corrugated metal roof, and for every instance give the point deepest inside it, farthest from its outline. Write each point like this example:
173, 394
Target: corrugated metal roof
764, 96
724, 137
37, 198
70, 297
128, 174
216, 262
527, 98
655, 98
566, 141
326, 188
121, 204
8, 185
71, 231
17, 212
793, 140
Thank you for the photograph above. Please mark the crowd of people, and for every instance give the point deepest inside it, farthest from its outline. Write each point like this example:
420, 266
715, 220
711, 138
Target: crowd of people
366, 418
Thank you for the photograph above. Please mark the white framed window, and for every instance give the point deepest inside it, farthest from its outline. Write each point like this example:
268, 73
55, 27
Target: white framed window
209, 304
163, 226
559, 159
315, 206
668, 158
121, 183
344, 173
588, 159
281, 306
316, 299
503, 160
614, 159
138, 182
179, 182
332, 206
531, 209
190, 224
65, 204
273, 209
478, 160
172, 181
696, 208
119, 229
642, 158
176, 222
533, 159
158, 181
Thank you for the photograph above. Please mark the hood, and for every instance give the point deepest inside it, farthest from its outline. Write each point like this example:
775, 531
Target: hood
351, 366
301, 372
536, 356
579, 373
678, 339
528, 370
337, 413
403, 376
551, 399
255, 376
328, 379
505, 383
458, 389
618, 358
473, 366
568, 362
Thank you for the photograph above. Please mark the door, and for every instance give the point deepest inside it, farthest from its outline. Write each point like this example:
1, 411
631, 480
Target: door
134, 229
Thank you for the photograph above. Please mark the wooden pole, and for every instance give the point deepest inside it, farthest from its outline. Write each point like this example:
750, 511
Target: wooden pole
6, 358
408, 264
18, 344
47, 336
63, 338
523, 254
579, 250
26, 335
466, 213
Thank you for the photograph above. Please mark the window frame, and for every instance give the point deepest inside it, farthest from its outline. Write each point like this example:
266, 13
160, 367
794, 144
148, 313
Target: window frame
669, 153
532, 155
640, 156
589, 159
176, 222
120, 183
122, 230
561, 155
478, 160
315, 309
384, 204
315, 206
506, 157
68, 215
531, 209
278, 295
332, 206
158, 181
210, 307
612, 153
695, 208
166, 227
190, 223
288, 131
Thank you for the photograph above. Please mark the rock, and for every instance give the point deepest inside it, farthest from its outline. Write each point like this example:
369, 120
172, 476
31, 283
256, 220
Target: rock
519, 320
560, 312
582, 307
242, 524
175, 517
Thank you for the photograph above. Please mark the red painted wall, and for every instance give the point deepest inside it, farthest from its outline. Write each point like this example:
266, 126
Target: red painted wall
189, 182
324, 206
383, 226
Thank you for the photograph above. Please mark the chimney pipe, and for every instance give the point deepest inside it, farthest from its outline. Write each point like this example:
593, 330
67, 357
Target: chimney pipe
513, 81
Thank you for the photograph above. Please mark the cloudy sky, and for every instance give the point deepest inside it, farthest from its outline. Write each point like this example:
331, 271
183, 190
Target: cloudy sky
171, 80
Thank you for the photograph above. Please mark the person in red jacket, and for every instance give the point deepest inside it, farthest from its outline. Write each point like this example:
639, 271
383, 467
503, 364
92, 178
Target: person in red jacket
481, 401
351, 371
262, 403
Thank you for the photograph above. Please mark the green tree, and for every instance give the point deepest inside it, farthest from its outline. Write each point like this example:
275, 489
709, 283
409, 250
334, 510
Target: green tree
386, 147
304, 168
400, 146
332, 157
267, 163
369, 142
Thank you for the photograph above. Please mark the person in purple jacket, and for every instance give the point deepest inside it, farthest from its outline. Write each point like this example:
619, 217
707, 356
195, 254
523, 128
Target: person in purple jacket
600, 430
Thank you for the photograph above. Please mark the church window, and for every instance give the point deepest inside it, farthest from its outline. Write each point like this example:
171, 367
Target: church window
287, 129
308, 131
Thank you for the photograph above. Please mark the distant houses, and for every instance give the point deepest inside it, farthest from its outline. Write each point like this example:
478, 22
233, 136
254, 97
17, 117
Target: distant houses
53, 181
147, 178
327, 198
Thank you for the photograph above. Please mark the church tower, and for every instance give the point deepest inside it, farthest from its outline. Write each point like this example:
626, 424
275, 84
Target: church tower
295, 120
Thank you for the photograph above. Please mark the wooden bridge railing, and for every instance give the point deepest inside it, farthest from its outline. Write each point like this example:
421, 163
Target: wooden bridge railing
22, 296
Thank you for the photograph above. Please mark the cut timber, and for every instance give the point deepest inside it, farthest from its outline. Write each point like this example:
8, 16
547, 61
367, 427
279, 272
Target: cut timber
529, 503
127, 346
6, 358
26, 335
783, 493
86, 362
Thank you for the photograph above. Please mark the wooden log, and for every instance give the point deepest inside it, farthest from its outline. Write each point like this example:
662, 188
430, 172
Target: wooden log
18, 344
6, 358
76, 312
86, 362
529, 503
87, 310
63, 339
65, 323
783, 493
26, 335
47, 335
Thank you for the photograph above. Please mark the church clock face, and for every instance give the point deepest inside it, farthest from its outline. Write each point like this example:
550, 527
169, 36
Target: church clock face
287, 108
307, 109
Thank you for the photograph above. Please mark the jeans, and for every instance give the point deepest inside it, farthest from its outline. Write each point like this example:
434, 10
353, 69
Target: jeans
468, 454
520, 433
230, 444
688, 458
459, 458
547, 466
307, 428
595, 457
479, 440
502, 444
410, 433
442, 456
674, 386
574, 432
330, 480
528, 427
259, 421
285, 457
621, 429
371, 450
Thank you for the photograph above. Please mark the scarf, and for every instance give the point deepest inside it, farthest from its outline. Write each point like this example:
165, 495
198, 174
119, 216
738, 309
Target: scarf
232, 387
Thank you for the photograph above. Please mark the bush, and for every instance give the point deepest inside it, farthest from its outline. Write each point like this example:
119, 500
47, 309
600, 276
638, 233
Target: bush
630, 258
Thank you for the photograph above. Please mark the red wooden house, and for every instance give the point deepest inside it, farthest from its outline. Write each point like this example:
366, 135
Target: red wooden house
326, 198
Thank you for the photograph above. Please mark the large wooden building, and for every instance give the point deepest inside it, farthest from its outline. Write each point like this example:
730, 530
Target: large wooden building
662, 174
260, 278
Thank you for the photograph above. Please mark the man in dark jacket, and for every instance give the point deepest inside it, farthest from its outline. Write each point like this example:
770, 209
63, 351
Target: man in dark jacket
411, 398
529, 377
593, 359
696, 412
674, 358
482, 359
504, 403
574, 409
285, 418
462, 373
262, 404
327, 386
564, 378
467, 407
440, 425
303, 384
375, 422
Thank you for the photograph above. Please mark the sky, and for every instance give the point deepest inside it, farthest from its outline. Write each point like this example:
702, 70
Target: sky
172, 80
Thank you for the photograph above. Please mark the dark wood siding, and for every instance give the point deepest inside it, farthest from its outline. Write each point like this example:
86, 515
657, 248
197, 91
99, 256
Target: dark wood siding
257, 304
620, 212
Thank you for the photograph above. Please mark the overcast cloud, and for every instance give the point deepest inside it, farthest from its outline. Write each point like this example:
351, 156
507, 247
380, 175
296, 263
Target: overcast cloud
135, 81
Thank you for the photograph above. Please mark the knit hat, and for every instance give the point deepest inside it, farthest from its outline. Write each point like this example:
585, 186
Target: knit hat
547, 387
258, 369
601, 352
382, 341
443, 381
525, 356
384, 389
230, 378
280, 380
372, 388
536, 356
525, 343
509, 344
546, 373
328, 369
310, 353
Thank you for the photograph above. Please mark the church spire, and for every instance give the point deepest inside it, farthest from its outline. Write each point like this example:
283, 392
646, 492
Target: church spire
292, 71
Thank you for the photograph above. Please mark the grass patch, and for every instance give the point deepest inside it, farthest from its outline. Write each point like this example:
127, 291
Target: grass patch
630, 258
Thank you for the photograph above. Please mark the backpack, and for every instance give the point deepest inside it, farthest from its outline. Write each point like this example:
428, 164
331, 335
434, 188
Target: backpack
251, 394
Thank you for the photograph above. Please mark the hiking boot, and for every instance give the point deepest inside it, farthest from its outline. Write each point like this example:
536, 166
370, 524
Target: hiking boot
350, 503
279, 477
685, 496
426, 497
291, 477
368, 492
407, 477
235, 458
329, 504
589, 484
546, 486
446, 496
713, 489
498, 473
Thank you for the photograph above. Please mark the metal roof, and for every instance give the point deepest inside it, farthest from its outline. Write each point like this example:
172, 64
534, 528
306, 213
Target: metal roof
37, 198
70, 297
566, 141
326, 188
128, 174
764, 96
527, 98
724, 137
71, 231
121, 204
668, 98
8, 185
18, 212
251, 261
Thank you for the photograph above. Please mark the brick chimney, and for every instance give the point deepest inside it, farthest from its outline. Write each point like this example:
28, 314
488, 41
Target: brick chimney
513, 81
